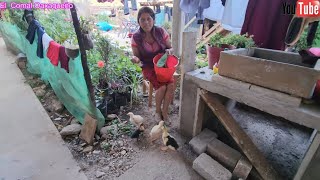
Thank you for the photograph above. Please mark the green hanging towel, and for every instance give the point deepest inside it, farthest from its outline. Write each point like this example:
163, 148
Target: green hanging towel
162, 61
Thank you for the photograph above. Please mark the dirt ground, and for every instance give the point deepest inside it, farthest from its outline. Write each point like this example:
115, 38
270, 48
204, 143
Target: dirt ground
117, 155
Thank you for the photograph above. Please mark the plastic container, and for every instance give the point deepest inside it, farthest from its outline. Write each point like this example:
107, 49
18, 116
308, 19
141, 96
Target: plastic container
164, 74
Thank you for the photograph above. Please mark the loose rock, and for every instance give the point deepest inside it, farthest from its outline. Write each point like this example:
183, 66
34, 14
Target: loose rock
39, 92
96, 152
88, 149
71, 130
111, 116
107, 129
56, 105
99, 174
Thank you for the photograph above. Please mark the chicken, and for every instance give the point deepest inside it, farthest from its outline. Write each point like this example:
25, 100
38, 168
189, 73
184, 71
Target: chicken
137, 132
168, 140
156, 131
136, 120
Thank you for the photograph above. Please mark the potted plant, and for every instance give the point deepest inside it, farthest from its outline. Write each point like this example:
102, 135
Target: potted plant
214, 47
72, 47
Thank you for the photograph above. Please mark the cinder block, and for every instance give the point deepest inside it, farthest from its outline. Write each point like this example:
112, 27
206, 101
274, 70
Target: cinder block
242, 169
224, 154
210, 169
199, 143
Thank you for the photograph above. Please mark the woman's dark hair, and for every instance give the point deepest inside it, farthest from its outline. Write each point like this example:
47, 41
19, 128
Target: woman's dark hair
148, 10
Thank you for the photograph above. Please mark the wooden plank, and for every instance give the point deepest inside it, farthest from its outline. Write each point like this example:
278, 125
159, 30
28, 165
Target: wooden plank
277, 96
86, 71
308, 156
306, 115
199, 115
200, 33
88, 129
240, 137
190, 22
207, 33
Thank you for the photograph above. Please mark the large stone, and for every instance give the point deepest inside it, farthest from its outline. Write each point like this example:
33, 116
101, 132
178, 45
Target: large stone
199, 143
210, 169
71, 130
223, 153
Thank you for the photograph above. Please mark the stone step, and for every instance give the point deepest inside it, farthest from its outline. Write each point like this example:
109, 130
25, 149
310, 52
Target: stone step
210, 169
239, 165
199, 143
223, 153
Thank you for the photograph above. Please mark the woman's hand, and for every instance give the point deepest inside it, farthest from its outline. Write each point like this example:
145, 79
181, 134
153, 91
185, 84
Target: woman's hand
169, 51
135, 59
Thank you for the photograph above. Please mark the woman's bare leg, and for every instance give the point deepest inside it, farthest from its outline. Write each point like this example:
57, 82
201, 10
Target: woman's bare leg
160, 94
167, 100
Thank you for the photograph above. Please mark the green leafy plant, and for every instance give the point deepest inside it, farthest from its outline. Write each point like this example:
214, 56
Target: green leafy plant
86, 24
215, 40
239, 41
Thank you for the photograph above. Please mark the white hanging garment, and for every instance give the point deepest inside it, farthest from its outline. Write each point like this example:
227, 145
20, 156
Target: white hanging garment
46, 39
234, 15
215, 11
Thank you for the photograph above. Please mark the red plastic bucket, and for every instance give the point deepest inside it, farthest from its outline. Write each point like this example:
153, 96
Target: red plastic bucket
165, 74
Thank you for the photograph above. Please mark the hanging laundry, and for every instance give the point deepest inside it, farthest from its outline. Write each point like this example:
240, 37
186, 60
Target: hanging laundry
193, 6
63, 58
46, 39
233, 15
53, 53
189, 6
34, 27
215, 11
267, 23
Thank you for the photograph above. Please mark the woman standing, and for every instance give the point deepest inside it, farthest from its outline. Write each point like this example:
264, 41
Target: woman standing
146, 43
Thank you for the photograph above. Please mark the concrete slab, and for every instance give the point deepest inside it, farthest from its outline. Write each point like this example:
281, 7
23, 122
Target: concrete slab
31, 147
210, 169
199, 143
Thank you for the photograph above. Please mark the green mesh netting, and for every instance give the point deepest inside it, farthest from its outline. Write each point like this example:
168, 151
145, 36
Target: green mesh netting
70, 87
